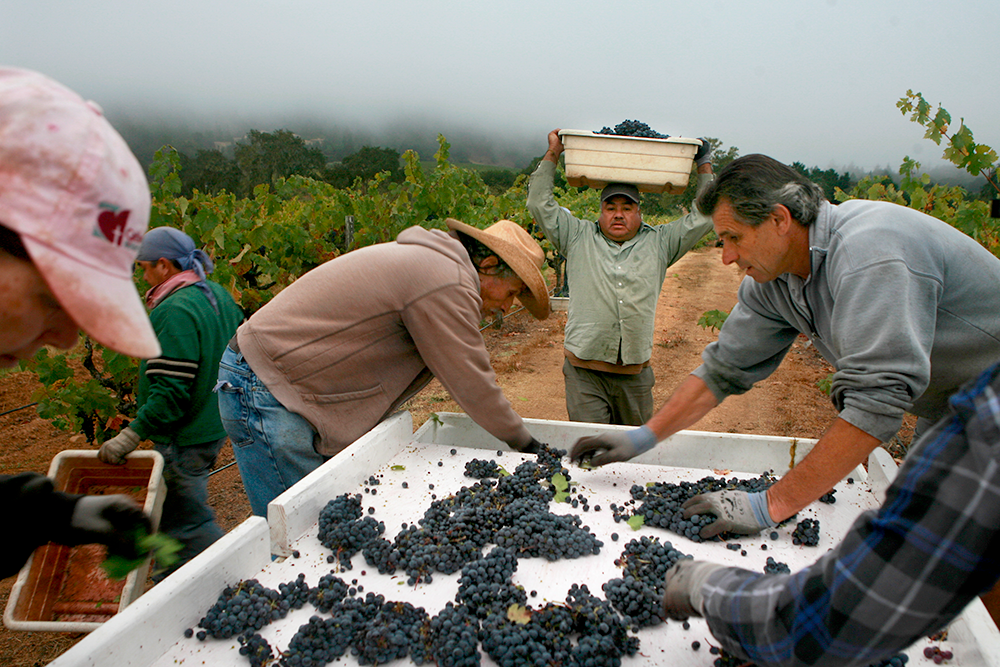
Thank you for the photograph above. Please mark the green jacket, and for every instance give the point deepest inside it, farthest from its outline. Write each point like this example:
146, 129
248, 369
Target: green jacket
176, 401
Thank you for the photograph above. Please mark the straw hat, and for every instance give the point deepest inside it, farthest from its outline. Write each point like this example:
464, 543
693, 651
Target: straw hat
521, 253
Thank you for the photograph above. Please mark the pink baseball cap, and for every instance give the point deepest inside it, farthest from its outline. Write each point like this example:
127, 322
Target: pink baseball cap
78, 198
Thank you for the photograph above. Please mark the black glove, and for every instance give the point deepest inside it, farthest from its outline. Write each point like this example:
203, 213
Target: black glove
114, 520
704, 153
532, 447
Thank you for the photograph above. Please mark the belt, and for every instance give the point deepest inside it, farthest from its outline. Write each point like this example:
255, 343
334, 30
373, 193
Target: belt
234, 344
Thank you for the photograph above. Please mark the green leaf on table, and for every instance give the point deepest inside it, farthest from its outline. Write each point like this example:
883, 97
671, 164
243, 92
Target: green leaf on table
561, 497
559, 482
636, 521
398, 467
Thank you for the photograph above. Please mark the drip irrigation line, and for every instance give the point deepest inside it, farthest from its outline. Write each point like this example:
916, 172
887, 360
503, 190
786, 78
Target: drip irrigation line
20, 408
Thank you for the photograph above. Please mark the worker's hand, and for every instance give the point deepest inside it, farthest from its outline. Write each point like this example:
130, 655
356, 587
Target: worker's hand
114, 450
114, 520
703, 155
555, 145
599, 450
737, 511
682, 597
532, 447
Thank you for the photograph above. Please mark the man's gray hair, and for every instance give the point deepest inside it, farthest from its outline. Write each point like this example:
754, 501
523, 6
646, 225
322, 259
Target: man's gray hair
754, 184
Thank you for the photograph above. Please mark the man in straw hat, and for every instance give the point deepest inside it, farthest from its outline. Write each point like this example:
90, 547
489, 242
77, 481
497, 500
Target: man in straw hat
617, 266
342, 347
193, 318
74, 204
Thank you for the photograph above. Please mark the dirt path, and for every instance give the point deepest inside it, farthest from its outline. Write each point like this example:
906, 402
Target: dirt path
528, 358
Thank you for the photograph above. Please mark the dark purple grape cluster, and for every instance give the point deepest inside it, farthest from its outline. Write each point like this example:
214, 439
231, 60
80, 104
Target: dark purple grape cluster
775, 567
660, 503
256, 649
452, 637
330, 591
486, 585
343, 531
530, 529
247, 606
806, 533
482, 469
638, 593
936, 655
829, 497
633, 128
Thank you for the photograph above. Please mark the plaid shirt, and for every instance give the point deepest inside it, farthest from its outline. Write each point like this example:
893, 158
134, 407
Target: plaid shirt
902, 572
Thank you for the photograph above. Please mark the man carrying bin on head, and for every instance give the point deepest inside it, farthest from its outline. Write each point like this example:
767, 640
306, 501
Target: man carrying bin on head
74, 204
193, 318
617, 266
345, 345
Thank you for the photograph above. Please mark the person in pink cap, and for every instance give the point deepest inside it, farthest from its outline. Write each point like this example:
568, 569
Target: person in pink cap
74, 205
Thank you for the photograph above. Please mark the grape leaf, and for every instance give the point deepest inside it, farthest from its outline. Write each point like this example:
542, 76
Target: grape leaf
518, 613
559, 481
636, 521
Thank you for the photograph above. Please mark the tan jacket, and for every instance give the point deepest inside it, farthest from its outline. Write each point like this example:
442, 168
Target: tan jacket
350, 341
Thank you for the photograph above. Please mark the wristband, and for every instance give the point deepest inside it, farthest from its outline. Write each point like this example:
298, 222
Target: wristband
758, 503
643, 439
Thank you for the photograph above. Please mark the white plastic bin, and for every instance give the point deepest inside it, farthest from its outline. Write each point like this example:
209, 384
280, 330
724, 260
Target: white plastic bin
653, 165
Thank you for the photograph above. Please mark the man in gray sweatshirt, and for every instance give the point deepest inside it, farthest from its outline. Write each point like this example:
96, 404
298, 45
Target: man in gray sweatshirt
904, 306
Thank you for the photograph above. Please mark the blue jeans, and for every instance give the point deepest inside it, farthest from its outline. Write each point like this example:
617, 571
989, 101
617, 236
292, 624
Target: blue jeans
187, 516
273, 447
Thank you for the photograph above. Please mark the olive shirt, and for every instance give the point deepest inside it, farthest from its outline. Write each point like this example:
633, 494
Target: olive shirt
614, 288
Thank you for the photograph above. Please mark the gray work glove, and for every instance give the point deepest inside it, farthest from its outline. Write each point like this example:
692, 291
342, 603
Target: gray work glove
606, 448
532, 447
682, 597
113, 451
704, 153
737, 511
114, 520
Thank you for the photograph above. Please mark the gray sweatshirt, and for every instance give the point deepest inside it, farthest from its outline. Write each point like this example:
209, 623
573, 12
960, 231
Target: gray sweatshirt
904, 306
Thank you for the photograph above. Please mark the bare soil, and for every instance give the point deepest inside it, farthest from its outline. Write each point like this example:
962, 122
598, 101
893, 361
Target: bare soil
527, 356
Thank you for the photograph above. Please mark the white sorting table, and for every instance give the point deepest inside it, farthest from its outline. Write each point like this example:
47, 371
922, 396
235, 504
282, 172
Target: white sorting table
149, 632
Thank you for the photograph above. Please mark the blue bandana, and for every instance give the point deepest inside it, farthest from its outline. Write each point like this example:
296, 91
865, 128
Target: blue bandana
173, 244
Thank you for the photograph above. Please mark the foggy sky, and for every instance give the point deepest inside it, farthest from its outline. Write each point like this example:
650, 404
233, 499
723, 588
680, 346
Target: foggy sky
800, 80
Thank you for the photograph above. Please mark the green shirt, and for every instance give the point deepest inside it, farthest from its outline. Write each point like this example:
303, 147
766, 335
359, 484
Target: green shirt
176, 401
613, 288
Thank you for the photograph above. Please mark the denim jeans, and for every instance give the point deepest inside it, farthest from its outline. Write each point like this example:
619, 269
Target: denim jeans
273, 447
186, 515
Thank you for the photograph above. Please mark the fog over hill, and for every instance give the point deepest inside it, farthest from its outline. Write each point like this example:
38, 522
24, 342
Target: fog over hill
504, 150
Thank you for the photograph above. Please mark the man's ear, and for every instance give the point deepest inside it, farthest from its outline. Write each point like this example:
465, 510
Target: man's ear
490, 262
783, 218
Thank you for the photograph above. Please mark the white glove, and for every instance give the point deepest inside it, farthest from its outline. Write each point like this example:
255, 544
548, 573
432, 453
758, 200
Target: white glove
737, 512
114, 450
611, 447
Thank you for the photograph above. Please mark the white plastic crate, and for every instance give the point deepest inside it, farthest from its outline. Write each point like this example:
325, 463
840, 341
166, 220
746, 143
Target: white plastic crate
653, 165
149, 633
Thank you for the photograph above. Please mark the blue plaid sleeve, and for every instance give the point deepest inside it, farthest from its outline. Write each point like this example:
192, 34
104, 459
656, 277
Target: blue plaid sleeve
901, 573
